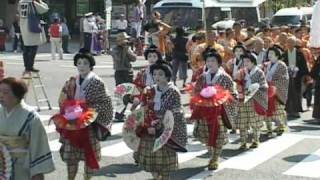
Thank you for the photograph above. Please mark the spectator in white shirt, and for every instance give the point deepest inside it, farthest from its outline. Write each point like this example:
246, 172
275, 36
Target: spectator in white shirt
121, 24
89, 27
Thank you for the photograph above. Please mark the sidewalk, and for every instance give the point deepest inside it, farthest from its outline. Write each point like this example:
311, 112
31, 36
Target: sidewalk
44, 54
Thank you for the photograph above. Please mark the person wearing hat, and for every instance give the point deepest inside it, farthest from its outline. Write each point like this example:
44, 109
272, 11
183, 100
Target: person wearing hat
121, 24
89, 28
212, 120
122, 57
34, 37
161, 99
80, 133
278, 80
55, 32
251, 112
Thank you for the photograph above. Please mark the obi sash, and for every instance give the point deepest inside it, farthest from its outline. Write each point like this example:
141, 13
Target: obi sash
17, 146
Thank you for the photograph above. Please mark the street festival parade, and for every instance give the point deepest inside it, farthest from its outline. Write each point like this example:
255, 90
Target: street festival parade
160, 89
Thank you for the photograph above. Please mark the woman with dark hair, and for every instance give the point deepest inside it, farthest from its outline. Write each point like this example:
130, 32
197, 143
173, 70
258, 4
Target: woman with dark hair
160, 157
278, 80
144, 77
211, 122
22, 133
90, 88
235, 64
253, 100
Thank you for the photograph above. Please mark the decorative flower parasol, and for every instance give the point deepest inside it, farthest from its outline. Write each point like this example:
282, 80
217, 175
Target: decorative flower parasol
211, 96
123, 94
5, 162
74, 115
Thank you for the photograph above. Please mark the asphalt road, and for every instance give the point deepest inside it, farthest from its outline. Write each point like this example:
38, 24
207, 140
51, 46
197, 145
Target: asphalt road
295, 155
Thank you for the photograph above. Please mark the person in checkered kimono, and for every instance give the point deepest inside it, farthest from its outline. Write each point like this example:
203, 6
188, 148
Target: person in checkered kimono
144, 77
278, 80
234, 65
162, 97
89, 87
203, 128
253, 86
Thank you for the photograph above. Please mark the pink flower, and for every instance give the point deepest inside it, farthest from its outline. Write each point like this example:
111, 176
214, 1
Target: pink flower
120, 90
73, 112
208, 92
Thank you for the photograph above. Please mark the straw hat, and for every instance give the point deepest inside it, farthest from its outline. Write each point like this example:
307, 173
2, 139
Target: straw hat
122, 37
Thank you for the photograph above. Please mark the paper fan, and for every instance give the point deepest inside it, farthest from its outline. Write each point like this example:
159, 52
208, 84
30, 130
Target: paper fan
129, 129
5, 162
168, 122
123, 94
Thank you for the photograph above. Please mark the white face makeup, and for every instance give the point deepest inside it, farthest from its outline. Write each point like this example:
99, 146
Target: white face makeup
238, 52
272, 56
248, 64
212, 64
83, 66
159, 77
152, 58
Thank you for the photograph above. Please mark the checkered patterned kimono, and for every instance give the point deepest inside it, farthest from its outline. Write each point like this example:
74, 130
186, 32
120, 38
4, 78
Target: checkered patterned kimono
280, 79
201, 128
165, 159
247, 116
97, 98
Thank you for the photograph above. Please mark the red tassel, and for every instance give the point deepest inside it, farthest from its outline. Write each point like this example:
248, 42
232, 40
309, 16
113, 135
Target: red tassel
81, 139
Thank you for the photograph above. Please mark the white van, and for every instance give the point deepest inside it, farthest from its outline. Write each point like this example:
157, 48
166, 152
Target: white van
188, 13
292, 16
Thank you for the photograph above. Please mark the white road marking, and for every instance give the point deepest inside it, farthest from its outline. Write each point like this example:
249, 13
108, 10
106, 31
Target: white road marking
116, 150
96, 67
253, 158
307, 167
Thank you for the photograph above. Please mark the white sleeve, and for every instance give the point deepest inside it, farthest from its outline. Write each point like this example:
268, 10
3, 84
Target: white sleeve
41, 7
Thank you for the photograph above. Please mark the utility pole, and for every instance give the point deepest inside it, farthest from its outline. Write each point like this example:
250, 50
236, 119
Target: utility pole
108, 5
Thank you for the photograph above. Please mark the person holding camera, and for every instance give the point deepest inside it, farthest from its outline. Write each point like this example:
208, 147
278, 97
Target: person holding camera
31, 30
122, 57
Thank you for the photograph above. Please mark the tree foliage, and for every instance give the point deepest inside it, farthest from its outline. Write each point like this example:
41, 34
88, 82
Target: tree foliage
279, 4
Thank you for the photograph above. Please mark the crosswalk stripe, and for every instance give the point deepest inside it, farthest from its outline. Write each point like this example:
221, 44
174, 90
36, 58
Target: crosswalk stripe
267, 150
54, 145
96, 67
307, 167
184, 157
116, 150
50, 128
250, 159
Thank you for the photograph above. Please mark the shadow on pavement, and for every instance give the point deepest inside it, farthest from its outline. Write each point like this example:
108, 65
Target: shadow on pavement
184, 173
300, 157
114, 169
303, 128
312, 121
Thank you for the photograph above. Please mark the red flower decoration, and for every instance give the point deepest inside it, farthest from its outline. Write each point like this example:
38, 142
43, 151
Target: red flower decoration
87, 116
219, 98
